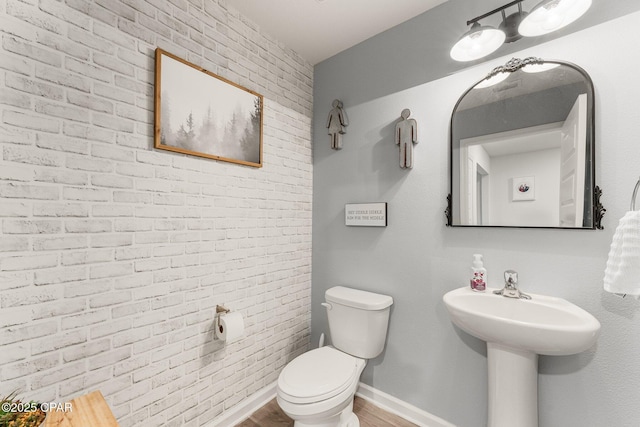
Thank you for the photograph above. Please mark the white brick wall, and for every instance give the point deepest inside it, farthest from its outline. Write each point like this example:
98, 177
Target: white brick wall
113, 255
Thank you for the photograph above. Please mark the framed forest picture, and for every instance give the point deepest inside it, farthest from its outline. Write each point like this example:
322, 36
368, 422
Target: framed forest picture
200, 113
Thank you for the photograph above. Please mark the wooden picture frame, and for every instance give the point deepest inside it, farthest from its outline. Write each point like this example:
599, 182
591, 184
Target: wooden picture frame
202, 114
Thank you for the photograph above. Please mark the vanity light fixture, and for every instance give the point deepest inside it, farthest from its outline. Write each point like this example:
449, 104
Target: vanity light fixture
477, 43
493, 80
551, 15
539, 68
547, 16
530, 67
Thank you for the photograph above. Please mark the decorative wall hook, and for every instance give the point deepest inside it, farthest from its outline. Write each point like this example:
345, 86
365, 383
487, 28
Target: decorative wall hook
406, 135
336, 123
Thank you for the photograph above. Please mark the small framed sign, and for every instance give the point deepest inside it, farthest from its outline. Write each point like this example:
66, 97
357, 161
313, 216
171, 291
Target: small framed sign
365, 214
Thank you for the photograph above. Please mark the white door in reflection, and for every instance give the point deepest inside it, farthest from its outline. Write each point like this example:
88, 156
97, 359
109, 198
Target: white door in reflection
474, 183
572, 164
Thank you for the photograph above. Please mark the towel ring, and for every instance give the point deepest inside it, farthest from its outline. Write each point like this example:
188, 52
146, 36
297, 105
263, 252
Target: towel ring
633, 197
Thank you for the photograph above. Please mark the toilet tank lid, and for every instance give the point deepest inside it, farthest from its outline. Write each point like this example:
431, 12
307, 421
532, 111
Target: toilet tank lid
357, 298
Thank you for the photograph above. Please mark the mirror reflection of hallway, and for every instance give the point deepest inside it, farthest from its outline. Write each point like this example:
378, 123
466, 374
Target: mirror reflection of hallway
536, 127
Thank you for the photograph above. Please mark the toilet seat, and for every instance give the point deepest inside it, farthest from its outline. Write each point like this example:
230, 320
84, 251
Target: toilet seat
318, 375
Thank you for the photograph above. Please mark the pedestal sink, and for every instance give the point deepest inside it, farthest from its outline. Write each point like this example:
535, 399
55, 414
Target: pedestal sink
516, 332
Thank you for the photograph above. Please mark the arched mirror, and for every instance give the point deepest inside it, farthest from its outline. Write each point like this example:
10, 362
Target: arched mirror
522, 149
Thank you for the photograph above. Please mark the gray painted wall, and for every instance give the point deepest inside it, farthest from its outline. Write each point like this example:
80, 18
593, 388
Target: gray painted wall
416, 259
417, 51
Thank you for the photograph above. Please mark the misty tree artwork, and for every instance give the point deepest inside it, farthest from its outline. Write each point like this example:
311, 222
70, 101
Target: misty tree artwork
200, 113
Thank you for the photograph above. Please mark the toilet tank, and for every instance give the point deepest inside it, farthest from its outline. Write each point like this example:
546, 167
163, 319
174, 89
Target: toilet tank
358, 320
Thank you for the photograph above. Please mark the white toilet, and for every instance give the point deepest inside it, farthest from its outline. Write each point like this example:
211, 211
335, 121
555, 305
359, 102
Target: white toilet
316, 389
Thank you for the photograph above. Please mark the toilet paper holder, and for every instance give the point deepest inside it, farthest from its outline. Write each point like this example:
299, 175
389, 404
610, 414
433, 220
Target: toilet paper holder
228, 325
220, 310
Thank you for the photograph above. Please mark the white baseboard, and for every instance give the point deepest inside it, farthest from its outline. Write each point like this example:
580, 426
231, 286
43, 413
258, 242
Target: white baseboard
385, 401
244, 409
403, 409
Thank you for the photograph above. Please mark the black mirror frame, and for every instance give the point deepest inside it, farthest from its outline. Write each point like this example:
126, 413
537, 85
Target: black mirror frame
512, 65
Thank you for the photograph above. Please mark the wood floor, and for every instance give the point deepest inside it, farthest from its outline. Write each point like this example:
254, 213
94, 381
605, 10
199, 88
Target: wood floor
270, 415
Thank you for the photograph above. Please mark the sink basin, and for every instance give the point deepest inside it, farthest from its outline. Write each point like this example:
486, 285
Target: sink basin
543, 325
516, 332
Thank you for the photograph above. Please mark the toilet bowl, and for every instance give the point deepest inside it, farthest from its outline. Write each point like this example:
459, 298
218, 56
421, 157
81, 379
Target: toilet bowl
316, 389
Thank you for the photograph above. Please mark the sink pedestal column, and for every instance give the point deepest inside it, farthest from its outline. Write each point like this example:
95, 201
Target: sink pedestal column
512, 386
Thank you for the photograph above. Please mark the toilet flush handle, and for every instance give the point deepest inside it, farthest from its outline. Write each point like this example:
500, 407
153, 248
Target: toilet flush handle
326, 305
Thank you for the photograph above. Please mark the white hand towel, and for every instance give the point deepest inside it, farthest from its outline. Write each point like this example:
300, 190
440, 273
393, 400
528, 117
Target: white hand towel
622, 274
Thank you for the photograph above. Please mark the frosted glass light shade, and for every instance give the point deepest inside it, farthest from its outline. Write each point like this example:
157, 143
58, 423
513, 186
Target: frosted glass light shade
551, 15
492, 81
476, 43
539, 68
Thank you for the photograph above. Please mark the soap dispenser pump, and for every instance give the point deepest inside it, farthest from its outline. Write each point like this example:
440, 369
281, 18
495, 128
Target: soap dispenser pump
478, 274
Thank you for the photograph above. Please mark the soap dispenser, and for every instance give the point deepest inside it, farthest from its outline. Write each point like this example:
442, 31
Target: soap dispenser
478, 274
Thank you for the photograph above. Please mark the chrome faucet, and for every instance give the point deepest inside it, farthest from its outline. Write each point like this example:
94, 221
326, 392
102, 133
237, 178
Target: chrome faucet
510, 289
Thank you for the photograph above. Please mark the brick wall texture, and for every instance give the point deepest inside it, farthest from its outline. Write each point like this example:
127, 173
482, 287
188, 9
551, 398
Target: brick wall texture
113, 255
